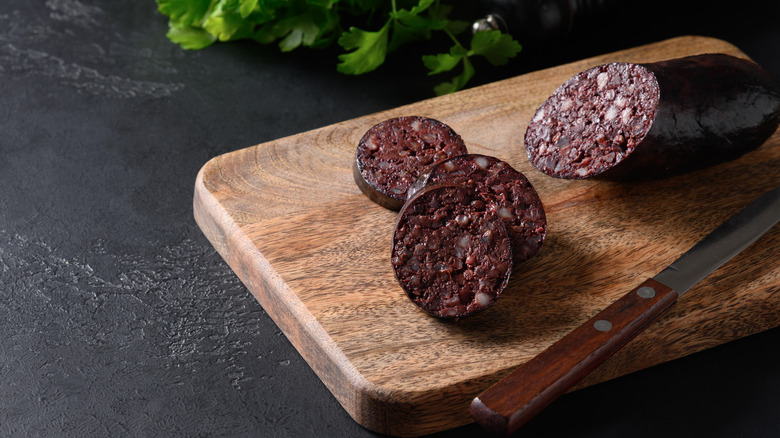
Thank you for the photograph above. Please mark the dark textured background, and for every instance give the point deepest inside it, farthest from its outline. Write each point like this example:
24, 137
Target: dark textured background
117, 318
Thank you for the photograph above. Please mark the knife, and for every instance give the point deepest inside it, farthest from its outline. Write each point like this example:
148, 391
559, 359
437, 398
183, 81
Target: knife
515, 399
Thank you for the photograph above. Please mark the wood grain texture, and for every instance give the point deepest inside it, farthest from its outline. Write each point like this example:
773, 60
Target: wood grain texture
290, 221
518, 397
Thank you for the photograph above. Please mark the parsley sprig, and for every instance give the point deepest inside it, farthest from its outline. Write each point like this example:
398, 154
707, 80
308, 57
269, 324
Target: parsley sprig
196, 24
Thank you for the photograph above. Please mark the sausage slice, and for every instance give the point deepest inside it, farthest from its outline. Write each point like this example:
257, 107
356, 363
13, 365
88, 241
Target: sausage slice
508, 192
393, 153
451, 254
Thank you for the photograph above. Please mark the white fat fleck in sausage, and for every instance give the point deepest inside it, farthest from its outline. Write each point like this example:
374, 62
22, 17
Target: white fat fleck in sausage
482, 299
504, 213
611, 113
602, 80
481, 162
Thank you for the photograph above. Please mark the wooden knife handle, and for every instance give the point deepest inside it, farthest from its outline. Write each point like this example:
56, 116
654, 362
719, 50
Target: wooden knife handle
508, 404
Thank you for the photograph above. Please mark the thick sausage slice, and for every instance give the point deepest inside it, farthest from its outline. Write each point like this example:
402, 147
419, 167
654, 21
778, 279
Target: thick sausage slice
643, 121
451, 254
508, 192
392, 154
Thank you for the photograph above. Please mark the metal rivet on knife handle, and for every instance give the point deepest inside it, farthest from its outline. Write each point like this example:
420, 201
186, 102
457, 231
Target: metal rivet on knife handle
646, 292
602, 325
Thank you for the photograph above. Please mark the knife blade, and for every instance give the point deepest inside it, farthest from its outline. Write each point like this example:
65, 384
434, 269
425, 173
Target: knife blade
515, 399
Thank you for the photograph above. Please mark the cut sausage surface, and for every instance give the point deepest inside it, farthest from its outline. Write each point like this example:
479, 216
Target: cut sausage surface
645, 121
508, 192
451, 254
393, 153
593, 121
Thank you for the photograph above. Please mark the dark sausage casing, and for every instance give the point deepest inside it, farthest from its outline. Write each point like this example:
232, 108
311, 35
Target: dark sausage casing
643, 121
393, 153
451, 254
507, 191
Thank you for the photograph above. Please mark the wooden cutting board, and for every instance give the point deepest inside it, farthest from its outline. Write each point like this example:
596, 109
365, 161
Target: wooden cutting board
289, 220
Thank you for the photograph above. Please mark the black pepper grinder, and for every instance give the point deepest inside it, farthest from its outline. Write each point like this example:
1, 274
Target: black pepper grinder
543, 22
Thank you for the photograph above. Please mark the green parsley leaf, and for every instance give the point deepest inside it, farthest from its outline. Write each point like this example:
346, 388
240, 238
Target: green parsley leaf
421, 6
190, 37
247, 7
293, 31
408, 25
458, 82
184, 12
370, 50
456, 27
440, 63
418, 22
497, 47
494, 45
444, 61
225, 21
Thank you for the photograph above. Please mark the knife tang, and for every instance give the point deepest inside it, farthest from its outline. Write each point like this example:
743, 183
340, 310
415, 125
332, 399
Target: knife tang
508, 404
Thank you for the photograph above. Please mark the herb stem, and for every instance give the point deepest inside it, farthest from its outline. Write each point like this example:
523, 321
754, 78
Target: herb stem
452, 37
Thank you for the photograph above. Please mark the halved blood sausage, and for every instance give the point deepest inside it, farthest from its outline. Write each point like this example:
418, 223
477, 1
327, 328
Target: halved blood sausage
392, 154
451, 254
643, 121
508, 192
